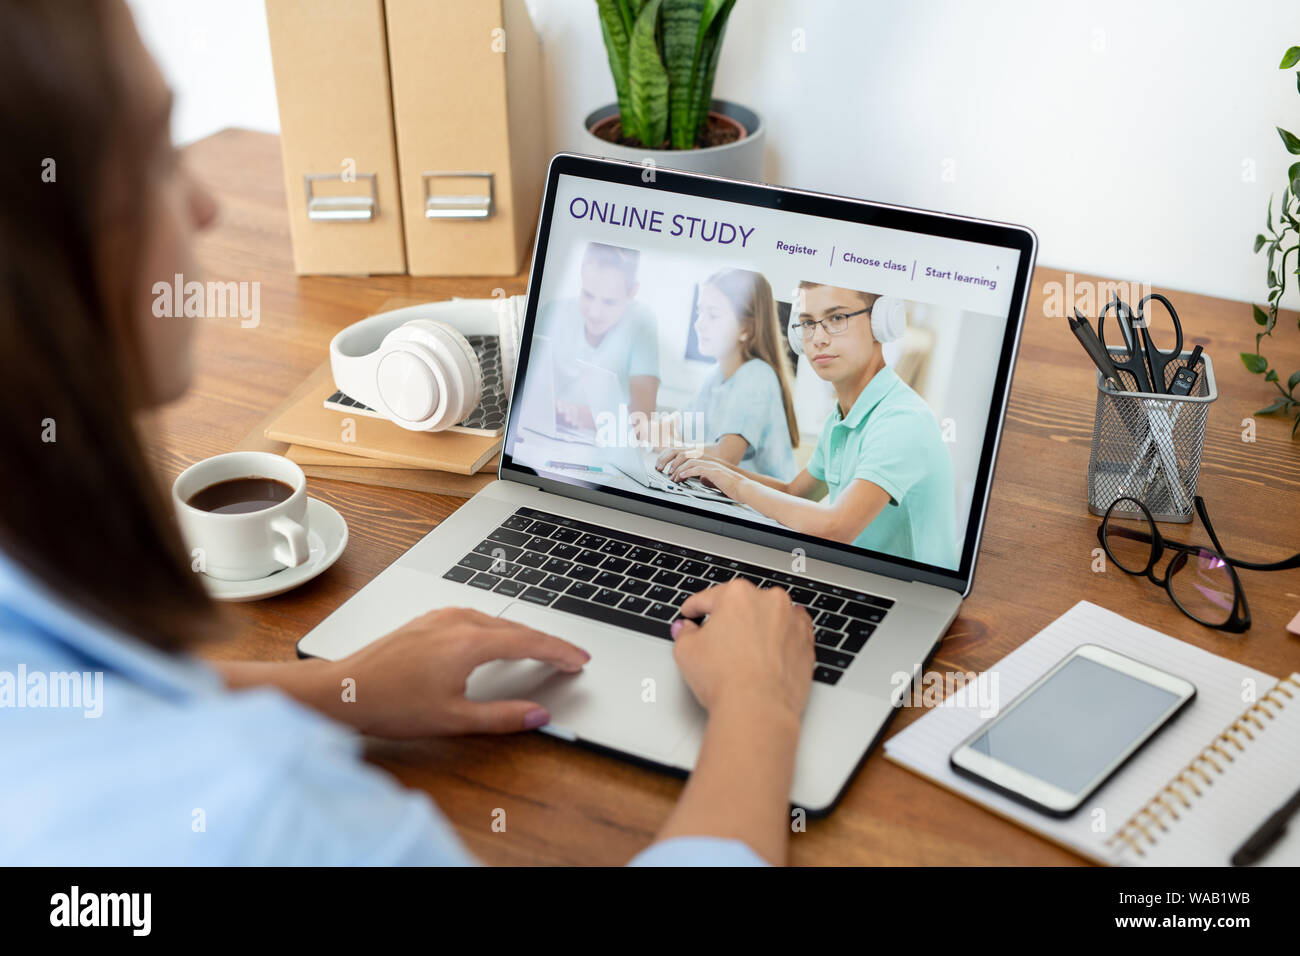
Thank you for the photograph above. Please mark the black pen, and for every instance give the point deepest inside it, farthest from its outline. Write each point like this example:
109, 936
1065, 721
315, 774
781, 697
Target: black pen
1270, 831
1092, 345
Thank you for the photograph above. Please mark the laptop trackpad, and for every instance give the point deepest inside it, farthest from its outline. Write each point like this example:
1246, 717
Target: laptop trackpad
630, 696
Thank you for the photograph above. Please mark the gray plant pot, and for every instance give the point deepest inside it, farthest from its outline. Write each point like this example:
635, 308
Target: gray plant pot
742, 159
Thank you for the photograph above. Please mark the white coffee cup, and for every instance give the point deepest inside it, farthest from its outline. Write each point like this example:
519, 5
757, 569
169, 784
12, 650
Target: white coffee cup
252, 544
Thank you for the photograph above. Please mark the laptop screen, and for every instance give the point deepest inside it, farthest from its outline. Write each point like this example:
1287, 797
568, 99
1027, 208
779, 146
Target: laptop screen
823, 371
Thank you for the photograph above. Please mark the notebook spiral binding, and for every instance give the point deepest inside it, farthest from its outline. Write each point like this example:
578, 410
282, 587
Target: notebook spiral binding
1160, 811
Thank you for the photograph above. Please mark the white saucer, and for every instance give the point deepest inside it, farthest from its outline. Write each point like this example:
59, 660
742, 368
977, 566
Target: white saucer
327, 536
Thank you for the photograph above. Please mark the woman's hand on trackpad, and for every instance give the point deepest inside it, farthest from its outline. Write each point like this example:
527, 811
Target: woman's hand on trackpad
411, 683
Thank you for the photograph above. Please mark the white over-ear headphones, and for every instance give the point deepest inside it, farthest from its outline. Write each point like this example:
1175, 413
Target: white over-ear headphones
888, 323
419, 372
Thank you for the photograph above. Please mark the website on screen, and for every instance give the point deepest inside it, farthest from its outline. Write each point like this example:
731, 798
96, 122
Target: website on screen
825, 377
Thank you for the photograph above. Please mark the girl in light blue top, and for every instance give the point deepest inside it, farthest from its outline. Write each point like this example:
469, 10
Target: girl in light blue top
744, 412
119, 746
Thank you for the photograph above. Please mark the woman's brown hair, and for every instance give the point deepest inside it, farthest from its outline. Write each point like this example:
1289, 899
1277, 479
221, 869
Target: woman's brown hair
79, 507
750, 295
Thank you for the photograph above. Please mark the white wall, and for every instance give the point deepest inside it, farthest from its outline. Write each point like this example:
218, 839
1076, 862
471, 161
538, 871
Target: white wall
217, 57
1123, 133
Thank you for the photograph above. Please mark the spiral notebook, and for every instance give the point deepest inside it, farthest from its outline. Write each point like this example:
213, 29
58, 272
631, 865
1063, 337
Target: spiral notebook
1191, 797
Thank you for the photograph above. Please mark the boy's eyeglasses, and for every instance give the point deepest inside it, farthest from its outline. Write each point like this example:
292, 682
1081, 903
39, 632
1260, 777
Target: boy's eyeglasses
833, 324
1201, 581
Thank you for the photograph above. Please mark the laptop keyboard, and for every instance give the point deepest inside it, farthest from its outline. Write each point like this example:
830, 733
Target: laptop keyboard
638, 583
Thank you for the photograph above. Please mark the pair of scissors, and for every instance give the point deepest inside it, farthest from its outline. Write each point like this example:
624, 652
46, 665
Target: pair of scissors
1141, 358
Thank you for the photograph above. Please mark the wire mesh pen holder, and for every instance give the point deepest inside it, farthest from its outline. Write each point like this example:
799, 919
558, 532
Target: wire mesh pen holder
1148, 446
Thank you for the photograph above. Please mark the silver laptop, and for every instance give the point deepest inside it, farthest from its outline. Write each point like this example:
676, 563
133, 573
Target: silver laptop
641, 466
584, 552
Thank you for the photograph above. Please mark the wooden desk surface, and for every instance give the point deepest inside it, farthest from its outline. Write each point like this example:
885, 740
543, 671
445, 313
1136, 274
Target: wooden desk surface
568, 805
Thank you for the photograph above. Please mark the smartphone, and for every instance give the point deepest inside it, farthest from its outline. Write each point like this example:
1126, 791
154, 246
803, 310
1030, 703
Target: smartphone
1061, 739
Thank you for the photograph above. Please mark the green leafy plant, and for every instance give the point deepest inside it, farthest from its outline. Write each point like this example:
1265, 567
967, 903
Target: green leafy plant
1275, 242
663, 54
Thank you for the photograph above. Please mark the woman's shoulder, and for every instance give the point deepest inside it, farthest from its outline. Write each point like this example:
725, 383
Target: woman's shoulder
229, 778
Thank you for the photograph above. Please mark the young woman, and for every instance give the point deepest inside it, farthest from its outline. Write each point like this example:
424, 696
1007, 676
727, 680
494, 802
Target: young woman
176, 760
745, 404
880, 476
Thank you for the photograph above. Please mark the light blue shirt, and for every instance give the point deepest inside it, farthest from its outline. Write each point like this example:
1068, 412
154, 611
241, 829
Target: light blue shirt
890, 437
629, 348
748, 404
163, 766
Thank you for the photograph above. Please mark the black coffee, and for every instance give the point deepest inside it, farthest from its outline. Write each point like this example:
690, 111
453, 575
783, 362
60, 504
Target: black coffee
240, 495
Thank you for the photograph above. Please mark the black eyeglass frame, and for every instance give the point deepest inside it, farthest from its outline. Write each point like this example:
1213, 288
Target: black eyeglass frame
1239, 620
807, 333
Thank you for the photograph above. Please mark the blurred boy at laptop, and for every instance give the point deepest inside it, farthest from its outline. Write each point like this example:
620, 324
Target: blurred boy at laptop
880, 477
604, 326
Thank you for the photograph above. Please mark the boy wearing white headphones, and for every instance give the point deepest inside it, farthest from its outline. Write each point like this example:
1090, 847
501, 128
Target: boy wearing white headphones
880, 477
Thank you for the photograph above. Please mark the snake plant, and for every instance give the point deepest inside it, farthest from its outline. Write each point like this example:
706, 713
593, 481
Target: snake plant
663, 55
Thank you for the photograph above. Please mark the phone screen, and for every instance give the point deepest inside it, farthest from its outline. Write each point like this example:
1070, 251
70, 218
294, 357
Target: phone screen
1075, 724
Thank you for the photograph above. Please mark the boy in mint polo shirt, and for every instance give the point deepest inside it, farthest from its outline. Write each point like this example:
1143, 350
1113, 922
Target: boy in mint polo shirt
880, 476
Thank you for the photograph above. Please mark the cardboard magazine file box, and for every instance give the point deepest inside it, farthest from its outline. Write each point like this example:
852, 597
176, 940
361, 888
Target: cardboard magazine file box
330, 59
470, 120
